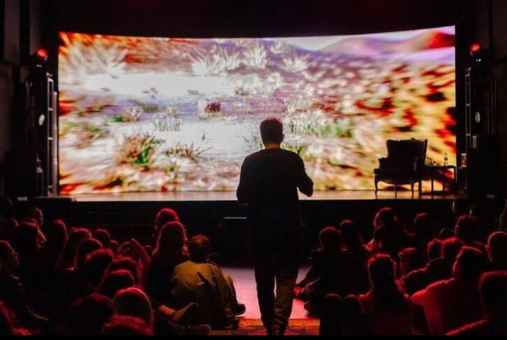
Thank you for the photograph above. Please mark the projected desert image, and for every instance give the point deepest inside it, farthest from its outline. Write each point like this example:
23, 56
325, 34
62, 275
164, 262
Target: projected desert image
172, 114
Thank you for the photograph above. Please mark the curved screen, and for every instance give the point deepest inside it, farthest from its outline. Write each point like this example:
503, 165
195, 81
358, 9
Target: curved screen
167, 114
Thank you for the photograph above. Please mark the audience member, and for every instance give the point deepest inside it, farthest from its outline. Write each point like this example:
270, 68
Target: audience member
126, 326
88, 315
494, 298
353, 241
497, 249
424, 233
452, 304
390, 236
467, 230
201, 282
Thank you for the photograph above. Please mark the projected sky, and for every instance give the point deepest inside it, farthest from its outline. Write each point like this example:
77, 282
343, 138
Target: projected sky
173, 114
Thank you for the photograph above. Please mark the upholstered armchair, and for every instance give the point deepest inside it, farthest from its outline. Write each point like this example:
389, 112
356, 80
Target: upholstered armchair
404, 164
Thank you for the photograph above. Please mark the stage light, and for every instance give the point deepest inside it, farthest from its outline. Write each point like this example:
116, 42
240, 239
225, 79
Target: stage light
42, 53
475, 48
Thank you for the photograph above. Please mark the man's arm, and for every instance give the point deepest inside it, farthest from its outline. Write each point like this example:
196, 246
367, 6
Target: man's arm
304, 182
243, 189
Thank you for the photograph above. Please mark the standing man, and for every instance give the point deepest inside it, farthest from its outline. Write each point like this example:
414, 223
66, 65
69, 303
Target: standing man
269, 185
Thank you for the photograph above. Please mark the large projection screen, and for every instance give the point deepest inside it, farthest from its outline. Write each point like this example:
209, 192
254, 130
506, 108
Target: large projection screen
174, 114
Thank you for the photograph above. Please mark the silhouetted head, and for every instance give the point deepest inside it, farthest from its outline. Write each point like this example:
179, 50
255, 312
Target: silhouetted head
103, 237
56, 235
272, 131
446, 234
351, 237
97, 264
26, 237
134, 302
497, 247
171, 240
451, 249
382, 271
199, 248
88, 315
116, 281
85, 249
37, 215
330, 239
411, 259
467, 228
494, 294
165, 216
384, 218
126, 326
470, 264
435, 249
460, 207
424, 228
127, 263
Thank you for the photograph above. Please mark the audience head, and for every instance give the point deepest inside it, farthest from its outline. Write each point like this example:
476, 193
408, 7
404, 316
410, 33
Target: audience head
165, 216
199, 248
385, 218
126, 326
470, 265
171, 240
8, 258
351, 237
37, 215
494, 294
128, 264
424, 228
88, 315
7, 228
435, 249
103, 237
451, 249
26, 237
460, 207
97, 264
116, 281
85, 249
411, 259
56, 235
497, 247
330, 239
382, 271
467, 228
272, 131
134, 302
446, 234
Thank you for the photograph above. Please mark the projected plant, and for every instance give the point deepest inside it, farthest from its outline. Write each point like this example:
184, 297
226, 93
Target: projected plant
296, 64
87, 133
316, 123
278, 47
81, 56
188, 150
129, 115
166, 121
256, 57
253, 142
138, 149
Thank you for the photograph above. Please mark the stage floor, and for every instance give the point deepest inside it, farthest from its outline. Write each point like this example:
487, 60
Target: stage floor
231, 196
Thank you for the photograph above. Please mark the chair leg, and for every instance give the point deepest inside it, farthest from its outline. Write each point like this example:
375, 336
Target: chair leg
412, 184
376, 187
420, 188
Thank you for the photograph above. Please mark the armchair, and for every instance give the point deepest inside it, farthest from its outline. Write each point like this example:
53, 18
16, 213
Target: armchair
404, 164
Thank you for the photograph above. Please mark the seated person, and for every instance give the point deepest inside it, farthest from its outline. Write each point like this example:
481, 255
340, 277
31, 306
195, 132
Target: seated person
494, 299
333, 272
199, 281
497, 249
467, 230
390, 235
449, 305
386, 309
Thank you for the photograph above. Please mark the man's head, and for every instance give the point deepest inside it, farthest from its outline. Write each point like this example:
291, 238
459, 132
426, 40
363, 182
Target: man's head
494, 294
385, 217
88, 315
199, 248
37, 215
497, 247
382, 271
272, 131
330, 239
451, 249
470, 265
467, 228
